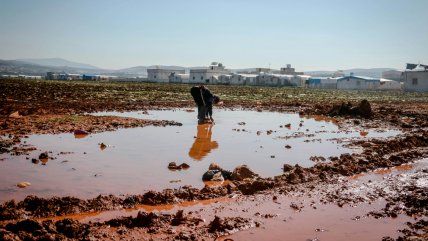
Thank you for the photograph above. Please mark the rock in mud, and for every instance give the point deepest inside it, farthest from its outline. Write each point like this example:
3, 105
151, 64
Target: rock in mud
103, 146
216, 175
184, 166
243, 172
80, 132
173, 166
214, 166
23, 184
43, 155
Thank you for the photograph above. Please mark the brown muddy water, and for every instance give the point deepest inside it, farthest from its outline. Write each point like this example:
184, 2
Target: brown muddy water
136, 160
313, 220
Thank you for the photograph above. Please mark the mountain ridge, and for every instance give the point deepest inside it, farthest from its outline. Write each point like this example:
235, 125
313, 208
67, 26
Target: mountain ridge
57, 62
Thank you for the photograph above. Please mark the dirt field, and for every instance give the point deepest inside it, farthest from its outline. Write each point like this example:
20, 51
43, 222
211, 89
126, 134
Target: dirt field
52, 107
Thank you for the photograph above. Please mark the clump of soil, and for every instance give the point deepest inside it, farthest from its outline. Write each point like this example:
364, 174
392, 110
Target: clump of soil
46, 230
243, 172
222, 226
363, 109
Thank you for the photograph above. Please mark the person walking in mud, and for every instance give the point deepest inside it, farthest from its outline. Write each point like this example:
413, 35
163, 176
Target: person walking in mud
204, 100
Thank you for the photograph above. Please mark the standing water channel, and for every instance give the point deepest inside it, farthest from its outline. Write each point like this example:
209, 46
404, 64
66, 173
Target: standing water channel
136, 160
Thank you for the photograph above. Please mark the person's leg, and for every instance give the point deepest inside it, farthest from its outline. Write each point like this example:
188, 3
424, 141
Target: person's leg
204, 115
201, 112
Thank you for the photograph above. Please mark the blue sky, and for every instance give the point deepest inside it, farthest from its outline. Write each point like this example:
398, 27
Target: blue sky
309, 34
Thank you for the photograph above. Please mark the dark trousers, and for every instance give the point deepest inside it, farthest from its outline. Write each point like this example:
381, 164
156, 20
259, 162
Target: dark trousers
202, 112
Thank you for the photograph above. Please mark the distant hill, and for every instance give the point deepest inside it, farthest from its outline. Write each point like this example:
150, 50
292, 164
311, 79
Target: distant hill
57, 62
15, 67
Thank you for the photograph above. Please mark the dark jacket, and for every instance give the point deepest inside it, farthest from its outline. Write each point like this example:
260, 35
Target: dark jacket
201, 95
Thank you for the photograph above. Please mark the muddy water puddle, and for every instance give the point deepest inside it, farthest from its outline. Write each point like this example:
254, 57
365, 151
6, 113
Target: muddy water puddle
326, 222
315, 220
129, 161
287, 217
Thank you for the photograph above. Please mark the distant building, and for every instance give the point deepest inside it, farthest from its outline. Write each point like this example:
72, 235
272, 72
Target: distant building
289, 71
56, 76
162, 74
243, 79
178, 78
415, 77
62, 76
322, 83
20, 76
259, 70
224, 79
209, 75
89, 77
281, 80
74, 77
267, 79
52, 76
393, 75
10, 76
357, 83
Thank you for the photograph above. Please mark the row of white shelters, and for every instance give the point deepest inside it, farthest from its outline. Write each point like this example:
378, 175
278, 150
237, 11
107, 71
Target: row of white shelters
281, 80
243, 79
21, 76
236, 79
415, 77
208, 75
353, 83
262, 79
159, 74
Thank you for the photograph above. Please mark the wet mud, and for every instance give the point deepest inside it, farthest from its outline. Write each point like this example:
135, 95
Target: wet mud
330, 179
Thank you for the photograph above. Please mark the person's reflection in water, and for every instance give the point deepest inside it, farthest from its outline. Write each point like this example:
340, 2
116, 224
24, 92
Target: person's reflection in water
203, 144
